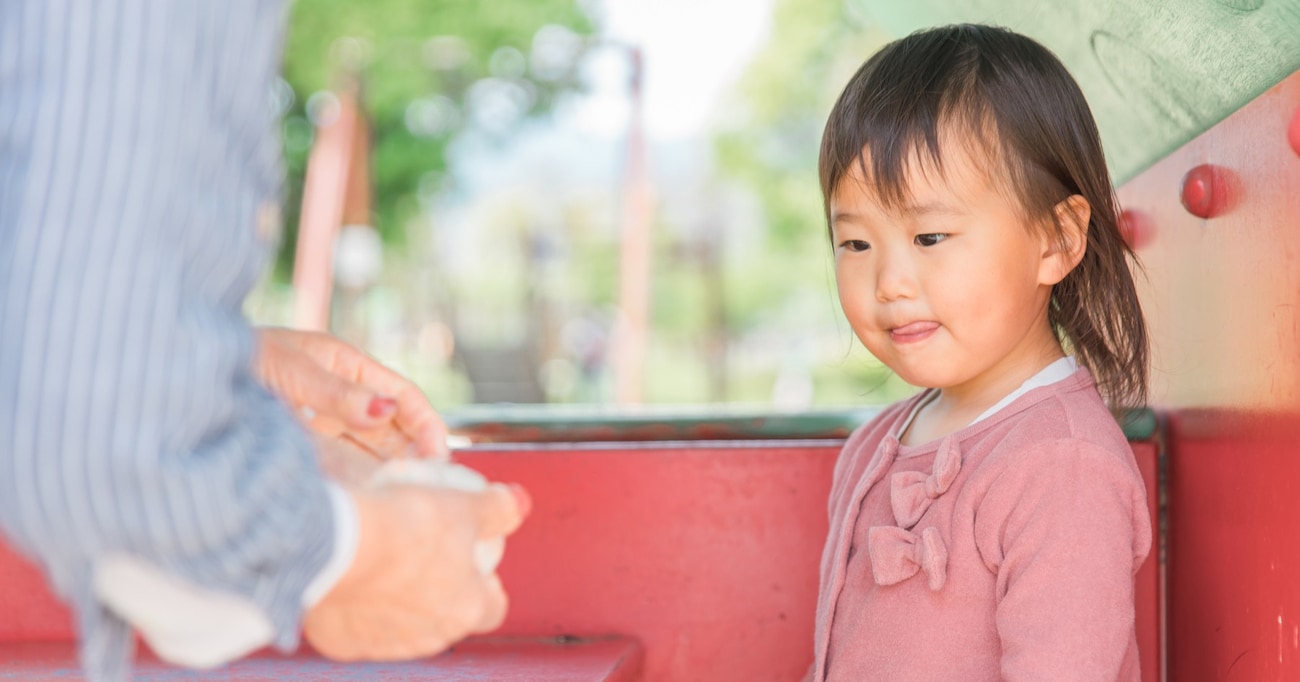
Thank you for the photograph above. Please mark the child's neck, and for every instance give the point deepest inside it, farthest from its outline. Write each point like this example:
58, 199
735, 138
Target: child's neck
956, 407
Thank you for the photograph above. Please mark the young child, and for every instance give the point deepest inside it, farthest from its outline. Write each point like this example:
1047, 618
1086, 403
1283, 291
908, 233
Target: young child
990, 526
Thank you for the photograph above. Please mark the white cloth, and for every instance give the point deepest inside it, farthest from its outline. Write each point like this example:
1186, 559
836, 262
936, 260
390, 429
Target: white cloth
192, 626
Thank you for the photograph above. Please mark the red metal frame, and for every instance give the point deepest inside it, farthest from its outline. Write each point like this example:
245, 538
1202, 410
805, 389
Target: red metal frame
1223, 297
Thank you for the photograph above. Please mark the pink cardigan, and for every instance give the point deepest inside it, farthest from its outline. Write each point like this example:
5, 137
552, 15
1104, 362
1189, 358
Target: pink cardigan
1005, 550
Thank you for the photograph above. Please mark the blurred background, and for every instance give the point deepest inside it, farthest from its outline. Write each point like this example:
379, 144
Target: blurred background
616, 201
514, 144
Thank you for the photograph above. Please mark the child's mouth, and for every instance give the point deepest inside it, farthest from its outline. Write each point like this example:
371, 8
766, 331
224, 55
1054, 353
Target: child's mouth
913, 332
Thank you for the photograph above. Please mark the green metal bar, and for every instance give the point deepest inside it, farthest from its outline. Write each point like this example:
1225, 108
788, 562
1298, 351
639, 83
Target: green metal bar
556, 424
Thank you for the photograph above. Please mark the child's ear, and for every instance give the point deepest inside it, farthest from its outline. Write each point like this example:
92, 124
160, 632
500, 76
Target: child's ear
1062, 253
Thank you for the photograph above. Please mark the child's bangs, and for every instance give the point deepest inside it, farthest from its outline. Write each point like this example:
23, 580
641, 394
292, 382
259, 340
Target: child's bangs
919, 148
902, 113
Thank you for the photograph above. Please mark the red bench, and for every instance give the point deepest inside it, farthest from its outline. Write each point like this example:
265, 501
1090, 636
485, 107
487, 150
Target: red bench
705, 553
615, 659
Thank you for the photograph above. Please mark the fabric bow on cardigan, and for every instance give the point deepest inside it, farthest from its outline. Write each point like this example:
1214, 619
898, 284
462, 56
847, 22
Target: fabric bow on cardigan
912, 492
897, 555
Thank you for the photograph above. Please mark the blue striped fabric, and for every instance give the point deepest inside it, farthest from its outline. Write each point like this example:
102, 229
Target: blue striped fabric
137, 141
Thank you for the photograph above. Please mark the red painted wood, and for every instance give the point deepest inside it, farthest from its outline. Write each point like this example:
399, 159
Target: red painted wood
497, 659
707, 556
28, 611
1148, 582
709, 552
1234, 611
705, 553
1223, 297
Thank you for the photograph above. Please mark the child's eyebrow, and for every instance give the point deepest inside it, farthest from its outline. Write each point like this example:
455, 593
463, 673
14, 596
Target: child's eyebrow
929, 209
839, 216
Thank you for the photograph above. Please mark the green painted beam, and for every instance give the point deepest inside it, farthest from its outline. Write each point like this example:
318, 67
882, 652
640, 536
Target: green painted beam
1156, 72
560, 424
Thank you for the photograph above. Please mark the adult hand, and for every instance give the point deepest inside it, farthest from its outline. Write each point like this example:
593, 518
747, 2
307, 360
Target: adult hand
345, 462
414, 588
344, 393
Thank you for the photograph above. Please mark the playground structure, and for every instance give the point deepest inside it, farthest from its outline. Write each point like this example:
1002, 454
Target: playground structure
667, 549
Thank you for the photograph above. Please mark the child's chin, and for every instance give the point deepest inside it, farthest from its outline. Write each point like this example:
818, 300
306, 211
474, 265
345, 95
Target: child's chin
924, 379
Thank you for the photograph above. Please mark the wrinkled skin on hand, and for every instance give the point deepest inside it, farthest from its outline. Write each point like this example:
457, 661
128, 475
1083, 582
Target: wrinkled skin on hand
413, 589
343, 393
344, 461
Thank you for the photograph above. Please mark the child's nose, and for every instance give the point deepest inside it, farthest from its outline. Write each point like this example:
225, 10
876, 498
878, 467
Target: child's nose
895, 280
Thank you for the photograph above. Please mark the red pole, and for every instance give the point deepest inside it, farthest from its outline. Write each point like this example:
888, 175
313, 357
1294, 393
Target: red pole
635, 257
324, 197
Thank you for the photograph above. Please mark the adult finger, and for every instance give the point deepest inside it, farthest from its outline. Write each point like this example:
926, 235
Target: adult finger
385, 442
501, 509
345, 462
414, 417
396, 437
495, 605
410, 636
417, 419
328, 396
301, 380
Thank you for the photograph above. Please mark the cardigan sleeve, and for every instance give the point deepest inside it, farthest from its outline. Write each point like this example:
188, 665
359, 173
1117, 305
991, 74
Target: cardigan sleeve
1064, 528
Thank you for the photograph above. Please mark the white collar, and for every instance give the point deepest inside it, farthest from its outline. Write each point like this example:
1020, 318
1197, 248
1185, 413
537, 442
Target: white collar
1059, 370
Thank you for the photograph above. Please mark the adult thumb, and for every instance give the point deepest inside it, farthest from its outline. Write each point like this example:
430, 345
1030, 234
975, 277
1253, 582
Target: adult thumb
502, 508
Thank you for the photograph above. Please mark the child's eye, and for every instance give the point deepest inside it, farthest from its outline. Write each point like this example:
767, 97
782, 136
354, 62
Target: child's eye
930, 239
855, 245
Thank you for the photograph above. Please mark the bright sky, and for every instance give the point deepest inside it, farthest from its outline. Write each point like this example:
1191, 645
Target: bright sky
694, 50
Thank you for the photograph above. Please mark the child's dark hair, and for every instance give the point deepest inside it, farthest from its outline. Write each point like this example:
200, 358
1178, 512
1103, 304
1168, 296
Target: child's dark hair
1016, 101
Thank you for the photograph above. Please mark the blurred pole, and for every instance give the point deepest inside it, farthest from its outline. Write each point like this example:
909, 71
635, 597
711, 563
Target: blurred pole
324, 198
715, 296
357, 198
357, 214
635, 258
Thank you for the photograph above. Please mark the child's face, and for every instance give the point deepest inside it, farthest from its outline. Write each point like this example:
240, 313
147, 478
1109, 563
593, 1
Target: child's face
950, 291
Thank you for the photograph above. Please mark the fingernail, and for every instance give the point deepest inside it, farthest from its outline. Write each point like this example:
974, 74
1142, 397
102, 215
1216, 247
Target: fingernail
522, 498
381, 407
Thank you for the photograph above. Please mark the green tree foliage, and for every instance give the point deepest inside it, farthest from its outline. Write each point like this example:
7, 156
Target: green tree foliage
782, 103
412, 54
771, 141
